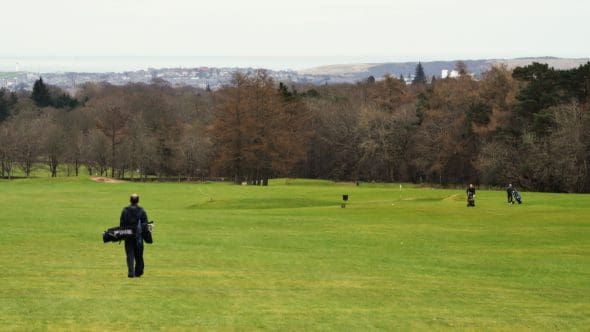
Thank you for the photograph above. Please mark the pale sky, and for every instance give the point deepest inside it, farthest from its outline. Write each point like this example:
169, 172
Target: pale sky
403, 30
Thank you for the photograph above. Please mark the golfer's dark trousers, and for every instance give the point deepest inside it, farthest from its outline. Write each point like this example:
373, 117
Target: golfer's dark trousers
134, 252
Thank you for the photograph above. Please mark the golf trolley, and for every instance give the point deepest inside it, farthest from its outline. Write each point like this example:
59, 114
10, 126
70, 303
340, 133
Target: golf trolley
470, 200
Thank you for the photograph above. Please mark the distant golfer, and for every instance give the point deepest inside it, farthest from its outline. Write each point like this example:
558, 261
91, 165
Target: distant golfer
510, 193
470, 195
134, 217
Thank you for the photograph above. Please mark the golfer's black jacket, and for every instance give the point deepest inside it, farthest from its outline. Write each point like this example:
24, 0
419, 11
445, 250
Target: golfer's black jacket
131, 214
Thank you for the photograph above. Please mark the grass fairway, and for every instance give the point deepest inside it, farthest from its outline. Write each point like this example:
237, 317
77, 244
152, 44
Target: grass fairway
288, 257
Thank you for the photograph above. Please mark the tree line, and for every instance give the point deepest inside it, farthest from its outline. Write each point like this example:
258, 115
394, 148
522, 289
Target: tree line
529, 126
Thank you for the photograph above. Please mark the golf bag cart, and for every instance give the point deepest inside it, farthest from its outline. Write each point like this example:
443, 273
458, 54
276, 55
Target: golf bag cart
517, 196
470, 199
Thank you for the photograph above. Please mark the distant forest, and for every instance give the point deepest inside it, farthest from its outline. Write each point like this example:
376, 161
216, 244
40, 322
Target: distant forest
529, 126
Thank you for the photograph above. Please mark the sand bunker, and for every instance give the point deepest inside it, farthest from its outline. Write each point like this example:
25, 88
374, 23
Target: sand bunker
103, 179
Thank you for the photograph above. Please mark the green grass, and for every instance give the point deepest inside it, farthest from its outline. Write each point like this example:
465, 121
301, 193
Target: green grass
288, 257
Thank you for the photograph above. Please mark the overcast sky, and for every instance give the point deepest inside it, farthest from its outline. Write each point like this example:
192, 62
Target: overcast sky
402, 30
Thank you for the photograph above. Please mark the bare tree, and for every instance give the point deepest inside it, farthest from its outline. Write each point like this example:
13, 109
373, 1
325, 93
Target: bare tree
141, 145
445, 145
53, 140
195, 149
28, 143
334, 145
111, 116
568, 144
8, 149
96, 152
259, 130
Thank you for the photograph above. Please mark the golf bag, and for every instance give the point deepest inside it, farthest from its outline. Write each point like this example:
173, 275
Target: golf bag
146, 232
517, 197
470, 199
119, 233
116, 234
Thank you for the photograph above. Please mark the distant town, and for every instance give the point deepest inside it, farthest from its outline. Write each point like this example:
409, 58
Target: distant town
214, 78
203, 77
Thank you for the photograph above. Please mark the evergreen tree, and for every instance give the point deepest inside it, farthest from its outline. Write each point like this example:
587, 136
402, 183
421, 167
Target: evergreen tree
65, 101
541, 90
40, 94
284, 91
419, 76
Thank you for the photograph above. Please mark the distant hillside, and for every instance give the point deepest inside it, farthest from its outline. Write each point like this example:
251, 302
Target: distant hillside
356, 72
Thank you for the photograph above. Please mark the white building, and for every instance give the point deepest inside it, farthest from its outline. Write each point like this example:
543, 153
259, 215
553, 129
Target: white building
445, 73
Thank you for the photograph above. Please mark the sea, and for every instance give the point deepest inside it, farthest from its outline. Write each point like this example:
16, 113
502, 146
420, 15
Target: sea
99, 64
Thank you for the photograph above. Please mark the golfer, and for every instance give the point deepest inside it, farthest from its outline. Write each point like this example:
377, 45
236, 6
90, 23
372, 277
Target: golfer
509, 193
134, 217
470, 195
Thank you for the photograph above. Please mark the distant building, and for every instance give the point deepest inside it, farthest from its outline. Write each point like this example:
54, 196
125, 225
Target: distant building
445, 73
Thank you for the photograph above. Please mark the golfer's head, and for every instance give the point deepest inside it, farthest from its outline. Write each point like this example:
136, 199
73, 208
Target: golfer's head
134, 199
